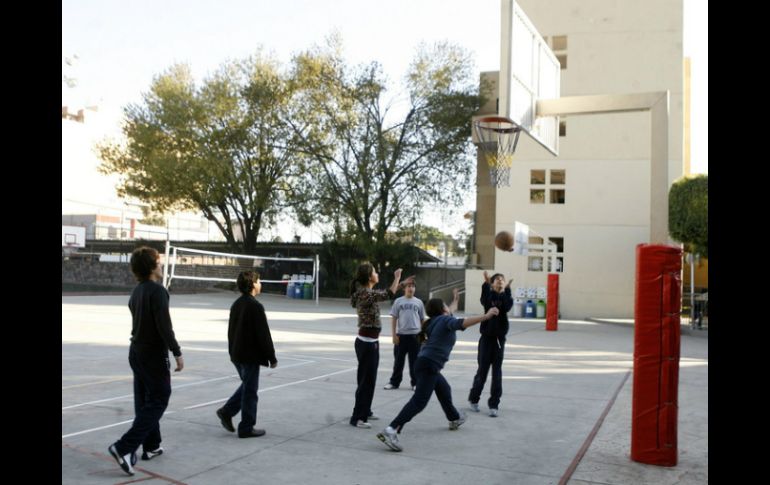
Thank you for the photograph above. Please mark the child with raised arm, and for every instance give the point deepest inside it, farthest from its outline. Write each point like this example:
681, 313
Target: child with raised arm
495, 293
364, 298
441, 330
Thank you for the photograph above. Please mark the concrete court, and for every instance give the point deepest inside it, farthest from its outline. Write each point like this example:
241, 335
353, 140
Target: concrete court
556, 387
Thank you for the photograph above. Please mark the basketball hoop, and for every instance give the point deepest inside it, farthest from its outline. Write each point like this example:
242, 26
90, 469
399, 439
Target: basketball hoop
498, 137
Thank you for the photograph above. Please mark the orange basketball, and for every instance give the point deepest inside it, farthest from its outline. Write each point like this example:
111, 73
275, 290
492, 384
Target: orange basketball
504, 241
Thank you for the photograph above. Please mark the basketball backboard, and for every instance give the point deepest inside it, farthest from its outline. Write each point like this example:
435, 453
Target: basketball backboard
529, 71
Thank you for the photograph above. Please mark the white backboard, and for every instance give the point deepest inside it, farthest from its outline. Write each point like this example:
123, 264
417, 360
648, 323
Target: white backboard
529, 71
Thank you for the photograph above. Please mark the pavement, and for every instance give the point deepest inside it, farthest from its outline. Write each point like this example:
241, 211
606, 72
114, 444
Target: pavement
565, 414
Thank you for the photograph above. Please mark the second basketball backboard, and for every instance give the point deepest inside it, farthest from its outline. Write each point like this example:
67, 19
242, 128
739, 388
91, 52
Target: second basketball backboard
529, 71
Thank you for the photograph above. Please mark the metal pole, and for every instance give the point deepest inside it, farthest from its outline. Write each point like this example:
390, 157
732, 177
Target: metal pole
165, 265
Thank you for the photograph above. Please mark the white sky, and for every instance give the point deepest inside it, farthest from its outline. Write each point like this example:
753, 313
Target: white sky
121, 45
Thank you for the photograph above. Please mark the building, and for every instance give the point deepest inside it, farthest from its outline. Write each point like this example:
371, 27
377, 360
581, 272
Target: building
593, 200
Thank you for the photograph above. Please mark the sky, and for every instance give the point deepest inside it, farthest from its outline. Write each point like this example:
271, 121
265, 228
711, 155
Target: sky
122, 44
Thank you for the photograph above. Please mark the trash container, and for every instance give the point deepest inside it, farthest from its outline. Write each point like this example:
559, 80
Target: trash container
298, 290
529, 309
290, 289
540, 309
308, 291
518, 307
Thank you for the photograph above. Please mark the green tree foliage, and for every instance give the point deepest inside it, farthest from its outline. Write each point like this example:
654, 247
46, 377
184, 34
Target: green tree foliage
688, 204
221, 148
376, 161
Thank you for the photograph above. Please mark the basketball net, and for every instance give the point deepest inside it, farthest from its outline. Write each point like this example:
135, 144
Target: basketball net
497, 137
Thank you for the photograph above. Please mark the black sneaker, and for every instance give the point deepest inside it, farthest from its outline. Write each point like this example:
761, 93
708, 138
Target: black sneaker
149, 455
126, 461
252, 433
227, 421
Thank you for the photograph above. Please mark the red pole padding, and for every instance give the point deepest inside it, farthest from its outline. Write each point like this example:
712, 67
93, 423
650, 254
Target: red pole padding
656, 354
552, 309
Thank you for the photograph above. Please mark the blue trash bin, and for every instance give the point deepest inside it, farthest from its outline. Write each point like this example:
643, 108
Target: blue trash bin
529, 309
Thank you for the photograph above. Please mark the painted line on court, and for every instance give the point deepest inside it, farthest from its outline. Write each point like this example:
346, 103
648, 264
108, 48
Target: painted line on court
273, 388
582, 451
104, 457
180, 386
212, 402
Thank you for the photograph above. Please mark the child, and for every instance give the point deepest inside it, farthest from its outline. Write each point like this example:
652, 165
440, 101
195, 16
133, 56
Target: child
492, 342
364, 298
440, 330
408, 314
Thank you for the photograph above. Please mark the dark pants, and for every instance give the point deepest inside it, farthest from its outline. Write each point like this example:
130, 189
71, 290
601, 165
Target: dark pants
407, 346
491, 351
429, 379
152, 390
368, 354
245, 398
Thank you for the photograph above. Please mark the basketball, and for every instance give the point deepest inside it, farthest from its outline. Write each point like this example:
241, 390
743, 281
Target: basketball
504, 241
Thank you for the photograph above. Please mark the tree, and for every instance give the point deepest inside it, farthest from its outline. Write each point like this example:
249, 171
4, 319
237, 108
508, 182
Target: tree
688, 203
369, 173
221, 148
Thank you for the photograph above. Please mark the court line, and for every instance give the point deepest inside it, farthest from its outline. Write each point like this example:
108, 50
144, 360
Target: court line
587, 443
211, 402
180, 386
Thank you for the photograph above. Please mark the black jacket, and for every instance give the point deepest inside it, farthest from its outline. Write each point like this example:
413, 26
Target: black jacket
498, 325
152, 330
248, 335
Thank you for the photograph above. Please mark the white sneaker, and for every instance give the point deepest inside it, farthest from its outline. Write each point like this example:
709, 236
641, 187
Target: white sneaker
389, 386
126, 461
149, 455
453, 425
363, 424
493, 413
390, 438
372, 417
474, 406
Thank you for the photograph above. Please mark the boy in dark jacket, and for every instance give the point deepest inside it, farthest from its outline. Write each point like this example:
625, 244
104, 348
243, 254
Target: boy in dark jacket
495, 293
251, 346
152, 336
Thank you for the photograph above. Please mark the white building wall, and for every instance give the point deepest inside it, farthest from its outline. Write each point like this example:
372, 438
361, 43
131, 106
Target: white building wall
613, 47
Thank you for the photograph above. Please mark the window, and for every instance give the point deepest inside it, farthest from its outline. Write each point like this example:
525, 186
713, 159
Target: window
559, 43
541, 260
537, 177
549, 186
535, 263
562, 128
559, 241
537, 196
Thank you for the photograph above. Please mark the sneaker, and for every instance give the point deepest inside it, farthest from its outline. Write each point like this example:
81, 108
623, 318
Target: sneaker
453, 425
362, 424
227, 421
372, 417
474, 406
149, 455
124, 461
252, 433
493, 413
390, 438
389, 386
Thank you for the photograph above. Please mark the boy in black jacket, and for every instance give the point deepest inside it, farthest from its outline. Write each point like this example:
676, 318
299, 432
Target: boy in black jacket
495, 294
152, 336
250, 345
